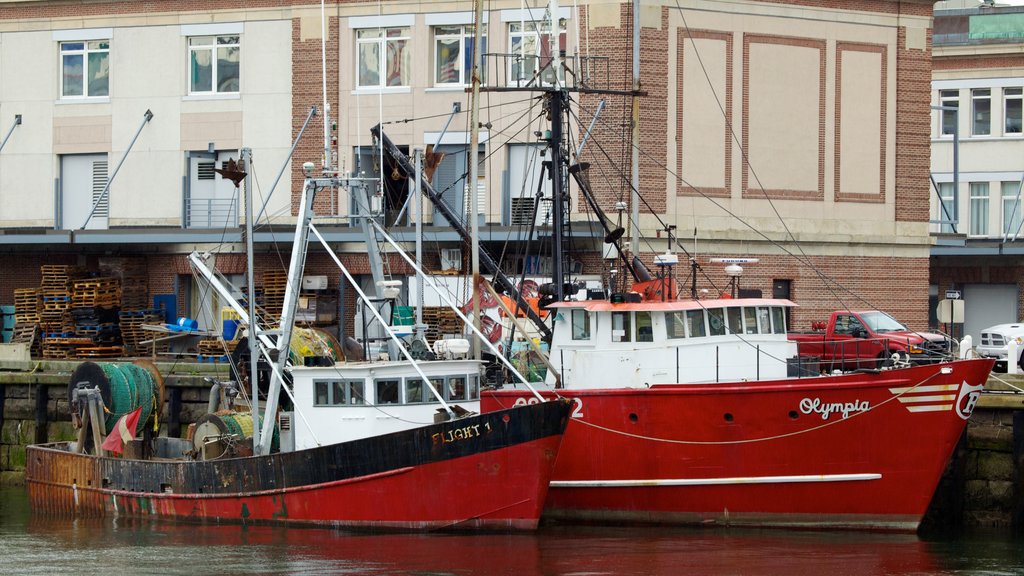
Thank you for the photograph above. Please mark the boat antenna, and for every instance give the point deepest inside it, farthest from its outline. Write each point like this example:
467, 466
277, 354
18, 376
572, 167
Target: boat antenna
323, 80
634, 244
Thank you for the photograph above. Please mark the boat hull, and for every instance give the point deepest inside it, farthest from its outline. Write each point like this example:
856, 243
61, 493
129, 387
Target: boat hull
488, 471
863, 450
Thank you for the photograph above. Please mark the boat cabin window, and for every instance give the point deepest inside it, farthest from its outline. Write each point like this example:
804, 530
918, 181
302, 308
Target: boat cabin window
764, 321
456, 389
675, 324
415, 391
580, 325
750, 320
621, 329
387, 391
735, 320
439, 386
474, 387
337, 392
644, 327
778, 320
695, 325
716, 321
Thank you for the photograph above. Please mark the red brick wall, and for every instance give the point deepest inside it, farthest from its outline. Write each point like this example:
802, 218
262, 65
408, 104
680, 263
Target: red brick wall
913, 130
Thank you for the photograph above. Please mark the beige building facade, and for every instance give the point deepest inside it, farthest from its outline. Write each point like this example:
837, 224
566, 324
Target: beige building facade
790, 132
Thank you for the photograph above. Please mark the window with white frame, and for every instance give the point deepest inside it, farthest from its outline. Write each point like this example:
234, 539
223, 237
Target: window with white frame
85, 69
453, 55
1012, 100
1011, 207
946, 208
949, 99
981, 111
979, 209
530, 46
214, 64
384, 57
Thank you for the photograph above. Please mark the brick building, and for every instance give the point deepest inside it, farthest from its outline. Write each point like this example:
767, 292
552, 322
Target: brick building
794, 132
977, 84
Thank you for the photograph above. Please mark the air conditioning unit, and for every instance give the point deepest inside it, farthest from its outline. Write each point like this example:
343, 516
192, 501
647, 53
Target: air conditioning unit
314, 282
451, 259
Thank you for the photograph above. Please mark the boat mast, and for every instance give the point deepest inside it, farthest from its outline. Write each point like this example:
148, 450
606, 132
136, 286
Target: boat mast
474, 169
254, 357
556, 97
634, 141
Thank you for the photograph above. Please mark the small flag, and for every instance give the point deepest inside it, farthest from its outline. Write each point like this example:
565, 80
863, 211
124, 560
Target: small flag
124, 430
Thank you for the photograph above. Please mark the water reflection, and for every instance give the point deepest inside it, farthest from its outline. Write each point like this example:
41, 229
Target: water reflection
39, 545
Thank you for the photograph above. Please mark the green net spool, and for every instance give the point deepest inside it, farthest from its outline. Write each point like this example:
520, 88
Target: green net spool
240, 424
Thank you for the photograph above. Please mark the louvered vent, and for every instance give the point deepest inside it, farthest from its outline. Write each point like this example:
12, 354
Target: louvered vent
521, 213
99, 182
204, 170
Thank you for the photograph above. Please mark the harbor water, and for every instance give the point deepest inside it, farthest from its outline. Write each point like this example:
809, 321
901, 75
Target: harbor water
30, 544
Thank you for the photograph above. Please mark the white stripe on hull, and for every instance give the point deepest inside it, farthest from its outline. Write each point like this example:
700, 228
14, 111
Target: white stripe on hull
811, 478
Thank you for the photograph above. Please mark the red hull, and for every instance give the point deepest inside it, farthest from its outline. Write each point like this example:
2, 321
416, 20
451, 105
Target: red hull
493, 477
763, 453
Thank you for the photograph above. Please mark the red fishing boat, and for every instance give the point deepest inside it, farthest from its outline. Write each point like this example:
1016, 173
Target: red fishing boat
679, 419
369, 444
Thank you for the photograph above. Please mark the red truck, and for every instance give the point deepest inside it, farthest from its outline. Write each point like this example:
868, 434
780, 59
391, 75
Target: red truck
869, 339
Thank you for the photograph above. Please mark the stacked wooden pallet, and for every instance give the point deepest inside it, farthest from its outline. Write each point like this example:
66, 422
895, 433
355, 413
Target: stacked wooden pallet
134, 276
441, 322
28, 334
96, 292
132, 332
27, 305
274, 284
54, 317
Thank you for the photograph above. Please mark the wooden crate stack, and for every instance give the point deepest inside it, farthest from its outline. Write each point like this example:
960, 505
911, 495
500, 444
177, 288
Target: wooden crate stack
28, 334
440, 321
132, 332
54, 318
274, 284
134, 276
27, 304
102, 292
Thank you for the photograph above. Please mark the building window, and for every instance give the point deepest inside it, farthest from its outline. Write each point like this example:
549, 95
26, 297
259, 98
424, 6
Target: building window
947, 213
580, 325
979, 209
213, 64
85, 69
384, 57
981, 111
453, 55
949, 99
1011, 208
1012, 99
530, 46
